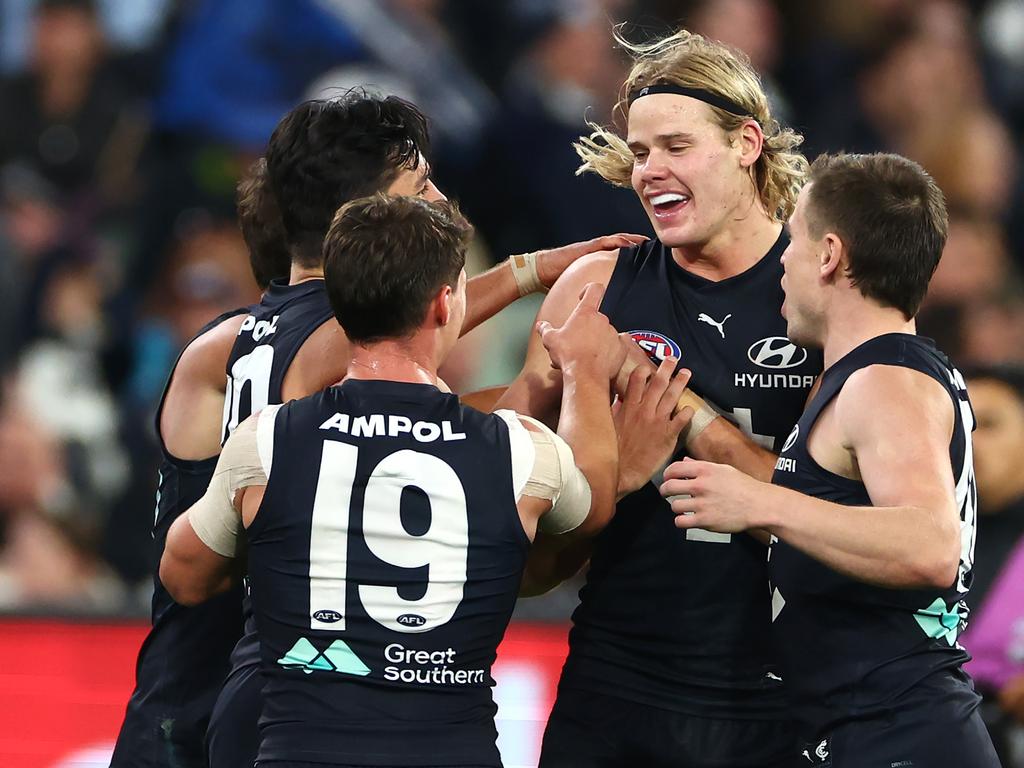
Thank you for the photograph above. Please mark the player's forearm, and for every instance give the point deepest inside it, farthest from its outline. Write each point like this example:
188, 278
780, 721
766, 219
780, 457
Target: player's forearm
534, 394
489, 293
895, 547
553, 560
585, 422
723, 443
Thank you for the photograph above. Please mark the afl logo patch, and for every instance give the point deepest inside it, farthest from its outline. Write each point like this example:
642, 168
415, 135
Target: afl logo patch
411, 620
791, 439
328, 617
657, 346
776, 352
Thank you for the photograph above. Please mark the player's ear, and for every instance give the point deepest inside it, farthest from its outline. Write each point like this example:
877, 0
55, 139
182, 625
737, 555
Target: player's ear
444, 305
751, 141
831, 256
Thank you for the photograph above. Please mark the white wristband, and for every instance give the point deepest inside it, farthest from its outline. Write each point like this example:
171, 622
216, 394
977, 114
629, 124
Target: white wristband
524, 270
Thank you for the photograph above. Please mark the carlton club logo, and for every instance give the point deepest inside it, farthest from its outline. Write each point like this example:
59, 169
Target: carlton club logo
776, 352
657, 346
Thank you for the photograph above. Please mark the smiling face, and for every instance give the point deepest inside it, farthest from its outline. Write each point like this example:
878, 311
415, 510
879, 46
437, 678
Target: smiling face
690, 178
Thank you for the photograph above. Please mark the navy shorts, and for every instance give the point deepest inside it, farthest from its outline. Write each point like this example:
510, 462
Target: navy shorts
233, 736
938, 733
588, 730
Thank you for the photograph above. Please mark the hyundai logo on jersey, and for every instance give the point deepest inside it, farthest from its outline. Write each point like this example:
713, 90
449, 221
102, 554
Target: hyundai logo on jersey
776, 352
657, 346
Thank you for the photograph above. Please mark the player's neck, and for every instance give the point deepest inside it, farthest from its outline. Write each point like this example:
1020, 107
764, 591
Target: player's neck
392, 360
861, 322
732, 251
300, 274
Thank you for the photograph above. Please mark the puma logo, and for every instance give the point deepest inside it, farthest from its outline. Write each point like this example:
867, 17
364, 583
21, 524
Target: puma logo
703, 318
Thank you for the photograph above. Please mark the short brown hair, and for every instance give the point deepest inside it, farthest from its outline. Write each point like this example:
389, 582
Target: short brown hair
890, 215
385, 258
259, 218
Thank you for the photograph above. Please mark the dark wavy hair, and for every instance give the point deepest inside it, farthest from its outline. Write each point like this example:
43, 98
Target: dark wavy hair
325, 153
260, 222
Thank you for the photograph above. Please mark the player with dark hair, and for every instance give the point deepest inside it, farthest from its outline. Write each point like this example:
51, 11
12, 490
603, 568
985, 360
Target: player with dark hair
872, 505
388, 524
286, 347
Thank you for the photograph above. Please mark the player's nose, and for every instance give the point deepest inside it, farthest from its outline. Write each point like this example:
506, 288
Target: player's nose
433, 194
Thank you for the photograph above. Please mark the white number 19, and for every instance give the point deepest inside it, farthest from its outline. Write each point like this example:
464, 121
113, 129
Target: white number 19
442, 548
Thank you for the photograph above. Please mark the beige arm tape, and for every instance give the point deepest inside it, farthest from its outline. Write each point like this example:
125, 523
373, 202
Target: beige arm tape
524, 270
556, 477
214, 517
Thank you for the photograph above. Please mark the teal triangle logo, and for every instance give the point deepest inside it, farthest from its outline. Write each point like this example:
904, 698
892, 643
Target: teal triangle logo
300, 655
337, 658
937, 621
345, 660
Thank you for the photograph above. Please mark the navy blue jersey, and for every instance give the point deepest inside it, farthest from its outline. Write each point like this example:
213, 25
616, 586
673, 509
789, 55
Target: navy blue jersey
852, 650
681, 619
384, 564
184, 658
270, 337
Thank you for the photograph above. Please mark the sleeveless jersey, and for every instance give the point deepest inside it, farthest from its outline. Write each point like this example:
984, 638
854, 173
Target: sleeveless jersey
184, 658
680, 619
384, 561
852, 650
268, 341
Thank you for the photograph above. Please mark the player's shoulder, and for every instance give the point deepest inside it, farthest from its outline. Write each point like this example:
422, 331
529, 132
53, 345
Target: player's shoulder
565, 293
592, 268
518, 422
207, 354
882, 393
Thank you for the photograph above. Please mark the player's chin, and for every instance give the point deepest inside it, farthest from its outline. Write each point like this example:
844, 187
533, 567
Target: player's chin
797, 332
674, 235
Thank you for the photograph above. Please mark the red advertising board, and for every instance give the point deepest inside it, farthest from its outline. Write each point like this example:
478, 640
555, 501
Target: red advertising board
64, 685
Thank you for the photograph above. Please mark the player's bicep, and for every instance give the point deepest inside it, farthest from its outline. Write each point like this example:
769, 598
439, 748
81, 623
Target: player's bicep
190, 420
538, 387
901, 442
189, 570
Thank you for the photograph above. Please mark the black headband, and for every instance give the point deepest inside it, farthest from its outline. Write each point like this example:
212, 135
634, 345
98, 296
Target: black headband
700, 94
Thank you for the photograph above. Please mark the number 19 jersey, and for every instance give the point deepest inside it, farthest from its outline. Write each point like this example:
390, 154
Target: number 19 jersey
680, 619
384, 564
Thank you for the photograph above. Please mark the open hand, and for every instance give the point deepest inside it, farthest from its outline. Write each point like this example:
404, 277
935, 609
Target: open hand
647, 423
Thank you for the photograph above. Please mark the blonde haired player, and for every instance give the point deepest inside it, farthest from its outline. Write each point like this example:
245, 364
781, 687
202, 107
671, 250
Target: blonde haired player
669, 661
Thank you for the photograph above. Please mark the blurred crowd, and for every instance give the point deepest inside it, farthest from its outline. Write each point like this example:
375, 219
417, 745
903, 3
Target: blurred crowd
125, 125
